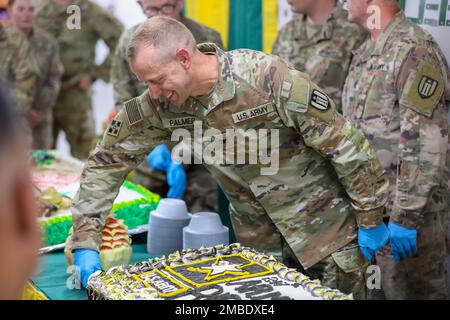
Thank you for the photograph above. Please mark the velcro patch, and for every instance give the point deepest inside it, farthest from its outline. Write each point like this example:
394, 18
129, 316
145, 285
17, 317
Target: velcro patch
330, 53
286, 89
133, 112
114, 128
319, 100
179, 122
423, 91
252, 113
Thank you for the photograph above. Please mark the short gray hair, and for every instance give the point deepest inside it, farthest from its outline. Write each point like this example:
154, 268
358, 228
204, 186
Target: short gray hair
162, 33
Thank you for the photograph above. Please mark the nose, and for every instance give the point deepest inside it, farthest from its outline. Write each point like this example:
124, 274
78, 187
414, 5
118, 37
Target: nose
155, 91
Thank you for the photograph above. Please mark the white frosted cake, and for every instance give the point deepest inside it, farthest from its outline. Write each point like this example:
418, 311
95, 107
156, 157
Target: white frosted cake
218, 273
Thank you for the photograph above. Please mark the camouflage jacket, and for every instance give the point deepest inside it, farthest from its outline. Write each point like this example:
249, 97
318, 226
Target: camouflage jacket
126, 85
18, 68
326, 56
329, 180
46, 52
395, 94
77, 46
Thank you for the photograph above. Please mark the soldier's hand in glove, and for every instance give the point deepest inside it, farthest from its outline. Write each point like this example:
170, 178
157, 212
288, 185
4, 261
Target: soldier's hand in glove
160, 159
403, 241
86, 262
372, 239
176, 179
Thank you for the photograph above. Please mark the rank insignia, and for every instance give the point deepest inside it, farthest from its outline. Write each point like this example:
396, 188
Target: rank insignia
114, 128
319, 100
427, 87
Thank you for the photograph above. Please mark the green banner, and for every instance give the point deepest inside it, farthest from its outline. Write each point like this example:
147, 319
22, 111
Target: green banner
245, 24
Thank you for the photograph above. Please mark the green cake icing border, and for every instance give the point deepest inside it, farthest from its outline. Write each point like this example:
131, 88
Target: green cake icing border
51, 237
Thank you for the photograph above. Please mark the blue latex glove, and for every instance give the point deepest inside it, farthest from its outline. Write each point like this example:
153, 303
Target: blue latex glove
176, 179
403, 241
87, 262
160, 159
372, 239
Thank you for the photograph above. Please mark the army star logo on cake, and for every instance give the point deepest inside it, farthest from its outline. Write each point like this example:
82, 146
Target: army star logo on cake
218, 270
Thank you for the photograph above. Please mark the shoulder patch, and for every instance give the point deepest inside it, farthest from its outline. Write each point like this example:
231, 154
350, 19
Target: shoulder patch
319, 100
114, 128
117, 130
133, 111
423, 90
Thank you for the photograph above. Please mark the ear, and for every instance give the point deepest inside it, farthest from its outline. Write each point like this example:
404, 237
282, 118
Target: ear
184, 58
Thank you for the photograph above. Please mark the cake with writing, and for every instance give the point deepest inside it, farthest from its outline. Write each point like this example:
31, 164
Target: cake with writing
218, 273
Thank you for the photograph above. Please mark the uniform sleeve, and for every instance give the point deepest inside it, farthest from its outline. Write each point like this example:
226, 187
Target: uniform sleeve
109, 30
306, 108
25, 73
49, 92
123, 80
276, 48
422, 160
124, 146
217, 39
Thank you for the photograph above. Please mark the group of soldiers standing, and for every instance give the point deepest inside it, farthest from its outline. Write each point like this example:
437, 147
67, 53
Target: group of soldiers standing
384, 130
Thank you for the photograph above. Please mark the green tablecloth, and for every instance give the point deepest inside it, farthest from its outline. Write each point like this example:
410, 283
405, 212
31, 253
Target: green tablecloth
51, 277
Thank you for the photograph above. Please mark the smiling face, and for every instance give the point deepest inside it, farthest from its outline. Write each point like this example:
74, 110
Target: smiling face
23, 14
165, 78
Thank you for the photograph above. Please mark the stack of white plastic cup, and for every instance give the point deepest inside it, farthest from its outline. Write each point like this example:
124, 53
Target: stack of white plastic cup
205, 229
165, 227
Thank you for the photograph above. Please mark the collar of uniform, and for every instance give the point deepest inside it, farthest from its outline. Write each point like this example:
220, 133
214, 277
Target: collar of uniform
28, 35
224, 89
384, 36
62, 8
325, 33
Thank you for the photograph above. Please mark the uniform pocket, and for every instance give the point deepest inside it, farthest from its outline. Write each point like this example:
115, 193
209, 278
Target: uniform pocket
349, 259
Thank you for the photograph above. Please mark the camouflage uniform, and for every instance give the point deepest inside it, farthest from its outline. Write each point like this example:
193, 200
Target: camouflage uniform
396, 95
18, 67
201, 192
45, 51
328, 183
73, 111
326, 56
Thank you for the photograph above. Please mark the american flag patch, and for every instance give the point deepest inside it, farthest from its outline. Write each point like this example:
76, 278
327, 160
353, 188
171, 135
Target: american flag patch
133, 112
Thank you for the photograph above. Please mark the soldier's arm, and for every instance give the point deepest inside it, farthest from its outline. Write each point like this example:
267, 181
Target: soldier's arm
25, 74
124, 146
422, 158
50, 90
123, 80
306, 108
282, 39
109, 30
